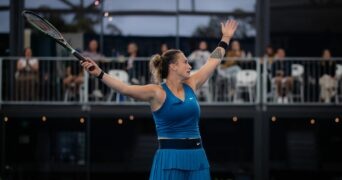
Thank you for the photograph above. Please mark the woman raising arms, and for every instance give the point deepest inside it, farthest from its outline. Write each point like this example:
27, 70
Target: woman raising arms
174, 107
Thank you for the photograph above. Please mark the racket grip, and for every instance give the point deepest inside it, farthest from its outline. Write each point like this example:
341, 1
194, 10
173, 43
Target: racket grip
82, 58
78, 56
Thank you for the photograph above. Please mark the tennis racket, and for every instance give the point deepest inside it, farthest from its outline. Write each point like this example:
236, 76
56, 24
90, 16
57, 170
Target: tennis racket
48, 29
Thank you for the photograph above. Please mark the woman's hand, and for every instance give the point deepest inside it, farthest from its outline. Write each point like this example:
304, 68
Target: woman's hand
228, 28
89, 63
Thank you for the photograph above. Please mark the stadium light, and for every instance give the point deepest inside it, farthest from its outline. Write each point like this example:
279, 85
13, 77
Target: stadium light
312, 121
120, 121
44, 118
235, 119
97, 2
82, 120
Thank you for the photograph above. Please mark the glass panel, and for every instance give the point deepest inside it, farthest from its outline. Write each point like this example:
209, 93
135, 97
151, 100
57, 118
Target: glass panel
225, 6
189, 24
4, 18
53, 4
4, 3
159, 5
141, 25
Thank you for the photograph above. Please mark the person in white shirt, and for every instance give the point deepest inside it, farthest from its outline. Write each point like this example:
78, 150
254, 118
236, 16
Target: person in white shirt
27, 77
199, 56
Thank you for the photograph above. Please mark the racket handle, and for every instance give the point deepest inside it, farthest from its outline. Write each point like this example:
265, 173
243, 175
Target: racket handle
82, 58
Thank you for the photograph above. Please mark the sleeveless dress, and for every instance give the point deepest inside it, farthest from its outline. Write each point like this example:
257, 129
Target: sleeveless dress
177, 119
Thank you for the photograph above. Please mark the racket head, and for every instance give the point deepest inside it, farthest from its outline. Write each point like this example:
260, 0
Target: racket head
44, 26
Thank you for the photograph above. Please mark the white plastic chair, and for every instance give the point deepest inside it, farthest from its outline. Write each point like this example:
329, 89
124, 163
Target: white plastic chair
246, 79
122, 76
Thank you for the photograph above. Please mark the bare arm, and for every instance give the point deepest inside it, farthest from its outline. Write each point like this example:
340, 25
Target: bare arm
144, 93
203, 74
20, 65
35, 66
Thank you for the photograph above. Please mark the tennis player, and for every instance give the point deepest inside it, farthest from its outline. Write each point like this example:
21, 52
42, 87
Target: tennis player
175, 109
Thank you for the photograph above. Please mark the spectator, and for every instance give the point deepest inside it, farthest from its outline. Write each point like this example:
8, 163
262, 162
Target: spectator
199, 57
93, 53
73, 79
269, 55
230, 66
132, 65
327, 79
27, 77
233, 54
281, 71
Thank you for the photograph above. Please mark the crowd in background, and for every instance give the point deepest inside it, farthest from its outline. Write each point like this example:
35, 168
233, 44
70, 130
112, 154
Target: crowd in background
280, 73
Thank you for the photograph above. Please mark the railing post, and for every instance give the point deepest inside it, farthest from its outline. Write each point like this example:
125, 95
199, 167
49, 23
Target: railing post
85, 101
1, 81
264, 82
258, 91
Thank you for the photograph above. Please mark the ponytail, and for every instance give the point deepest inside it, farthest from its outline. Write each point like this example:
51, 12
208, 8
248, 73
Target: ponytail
159, 64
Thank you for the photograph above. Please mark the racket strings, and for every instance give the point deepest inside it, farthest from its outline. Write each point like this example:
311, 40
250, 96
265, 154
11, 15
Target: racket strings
43, 26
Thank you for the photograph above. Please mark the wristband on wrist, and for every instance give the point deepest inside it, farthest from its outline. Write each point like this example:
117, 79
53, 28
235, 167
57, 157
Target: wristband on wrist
101, 75
223, 45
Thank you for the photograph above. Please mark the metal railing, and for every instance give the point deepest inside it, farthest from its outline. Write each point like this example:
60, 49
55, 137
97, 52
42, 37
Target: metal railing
302, 81
242, 81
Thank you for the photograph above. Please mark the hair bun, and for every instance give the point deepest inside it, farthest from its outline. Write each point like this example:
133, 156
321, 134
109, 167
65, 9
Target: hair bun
157, 60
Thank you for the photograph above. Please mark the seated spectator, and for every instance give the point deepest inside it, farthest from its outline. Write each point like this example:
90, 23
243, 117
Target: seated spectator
27, 77
234, 53
133, 67
200, 56
269, 55
327, 79
73, 79
281, 71
92, 52
231, 67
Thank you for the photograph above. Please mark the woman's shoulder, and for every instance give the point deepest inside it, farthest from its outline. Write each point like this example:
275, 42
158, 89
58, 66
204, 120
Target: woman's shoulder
158, 88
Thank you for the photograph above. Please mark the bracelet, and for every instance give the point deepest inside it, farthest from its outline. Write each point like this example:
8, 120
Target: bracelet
101, 75
223, 45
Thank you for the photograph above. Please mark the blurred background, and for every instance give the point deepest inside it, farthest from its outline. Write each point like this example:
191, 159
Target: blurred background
272, 110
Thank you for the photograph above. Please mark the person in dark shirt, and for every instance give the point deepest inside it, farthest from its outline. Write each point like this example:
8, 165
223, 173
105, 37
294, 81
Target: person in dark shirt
281, 71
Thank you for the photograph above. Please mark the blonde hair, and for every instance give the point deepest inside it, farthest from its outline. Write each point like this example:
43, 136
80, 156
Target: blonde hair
159, 64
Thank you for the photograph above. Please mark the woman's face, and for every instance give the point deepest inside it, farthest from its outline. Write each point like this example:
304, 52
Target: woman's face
235, 45
203, 45
28, 52
132, 48
326, 54
93, 46
182, 66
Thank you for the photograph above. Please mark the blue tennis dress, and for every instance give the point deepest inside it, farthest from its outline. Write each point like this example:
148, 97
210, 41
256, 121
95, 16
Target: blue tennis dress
177, 119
